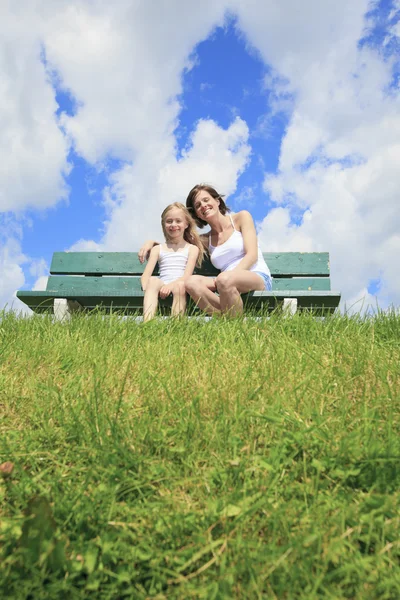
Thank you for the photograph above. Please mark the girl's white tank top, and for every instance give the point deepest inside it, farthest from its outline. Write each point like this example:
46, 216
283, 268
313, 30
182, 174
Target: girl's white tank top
172, 265
229, 254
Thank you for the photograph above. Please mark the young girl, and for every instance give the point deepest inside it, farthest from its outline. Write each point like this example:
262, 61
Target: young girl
176, 260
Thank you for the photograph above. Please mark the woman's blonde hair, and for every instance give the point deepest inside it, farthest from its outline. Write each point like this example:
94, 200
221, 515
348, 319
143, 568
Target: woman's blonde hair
190, 235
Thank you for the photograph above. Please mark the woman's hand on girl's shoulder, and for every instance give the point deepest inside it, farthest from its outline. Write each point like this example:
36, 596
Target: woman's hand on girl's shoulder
145, 250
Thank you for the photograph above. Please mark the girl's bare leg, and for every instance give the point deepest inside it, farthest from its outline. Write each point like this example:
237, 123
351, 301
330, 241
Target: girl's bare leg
179, 299
150, 302
231, 284
202, 291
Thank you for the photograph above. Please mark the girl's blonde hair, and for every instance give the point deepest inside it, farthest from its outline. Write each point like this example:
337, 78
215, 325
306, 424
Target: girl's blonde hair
190, 235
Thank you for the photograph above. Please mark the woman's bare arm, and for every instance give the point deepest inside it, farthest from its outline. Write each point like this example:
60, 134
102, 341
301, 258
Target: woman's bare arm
245, 224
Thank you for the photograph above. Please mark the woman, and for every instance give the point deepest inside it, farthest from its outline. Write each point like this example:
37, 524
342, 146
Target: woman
233, 249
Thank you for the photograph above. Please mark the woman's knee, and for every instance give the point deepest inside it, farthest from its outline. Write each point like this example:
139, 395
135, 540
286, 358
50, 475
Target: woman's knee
224, 281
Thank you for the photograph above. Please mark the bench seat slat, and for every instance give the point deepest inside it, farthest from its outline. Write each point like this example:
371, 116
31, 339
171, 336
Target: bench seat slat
127, 263
278, 294
133, 301
71, 284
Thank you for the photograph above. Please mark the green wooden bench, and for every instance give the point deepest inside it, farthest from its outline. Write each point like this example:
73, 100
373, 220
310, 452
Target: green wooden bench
112, 280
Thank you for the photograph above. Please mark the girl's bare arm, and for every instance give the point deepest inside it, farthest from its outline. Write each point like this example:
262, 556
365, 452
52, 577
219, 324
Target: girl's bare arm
191, 263
154, 254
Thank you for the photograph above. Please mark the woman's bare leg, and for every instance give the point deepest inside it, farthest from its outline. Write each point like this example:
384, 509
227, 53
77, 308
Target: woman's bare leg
230, 284
202, 291
150, 302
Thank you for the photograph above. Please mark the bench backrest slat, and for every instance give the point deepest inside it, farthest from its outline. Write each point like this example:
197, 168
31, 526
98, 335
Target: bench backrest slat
284, 264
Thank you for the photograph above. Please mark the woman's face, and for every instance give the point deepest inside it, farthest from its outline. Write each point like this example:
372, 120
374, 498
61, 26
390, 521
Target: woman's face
205, 205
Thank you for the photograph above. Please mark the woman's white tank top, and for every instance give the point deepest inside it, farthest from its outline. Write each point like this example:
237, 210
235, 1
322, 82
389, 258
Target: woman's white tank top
172, 265
229, 254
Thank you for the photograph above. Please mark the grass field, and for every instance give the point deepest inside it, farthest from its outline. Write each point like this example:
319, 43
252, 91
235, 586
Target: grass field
192, 459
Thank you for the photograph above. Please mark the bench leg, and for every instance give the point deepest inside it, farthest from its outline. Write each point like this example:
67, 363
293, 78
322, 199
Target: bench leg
289, 306
63, 308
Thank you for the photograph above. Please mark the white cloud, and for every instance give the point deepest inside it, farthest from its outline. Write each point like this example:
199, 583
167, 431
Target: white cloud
33, 152
39, 269
394, 16
361, 303
40, 283
291, 37
11, 260
395, 9
85, 246
395, 30
123, 62
206, 86
138, 197
245, 199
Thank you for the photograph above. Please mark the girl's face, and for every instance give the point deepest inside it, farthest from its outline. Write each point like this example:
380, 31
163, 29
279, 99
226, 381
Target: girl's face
175, 223
205, 205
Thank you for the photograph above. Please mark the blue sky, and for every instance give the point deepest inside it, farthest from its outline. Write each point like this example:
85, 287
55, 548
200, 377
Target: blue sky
112, 114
